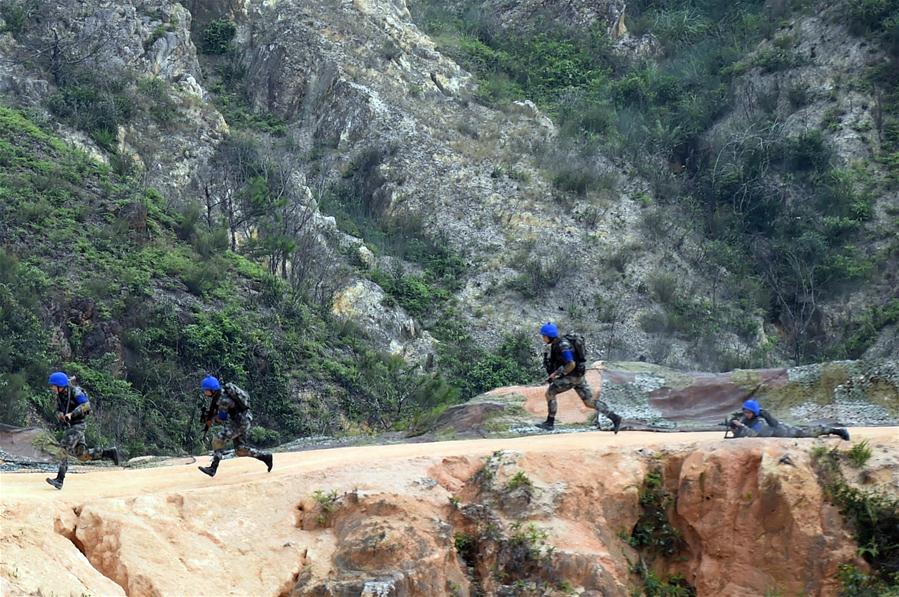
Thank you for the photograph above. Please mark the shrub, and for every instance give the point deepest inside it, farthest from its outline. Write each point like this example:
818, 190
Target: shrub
663, 287
653, 531
328, 504
808, 151
859, 454
95, 105
217, 36
15, 15
262, 437
519, 479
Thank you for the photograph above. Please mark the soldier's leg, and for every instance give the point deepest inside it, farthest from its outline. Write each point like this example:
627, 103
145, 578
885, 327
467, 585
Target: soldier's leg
68, 447
586, 393
819, 430
241, 448
563, 384
219, 440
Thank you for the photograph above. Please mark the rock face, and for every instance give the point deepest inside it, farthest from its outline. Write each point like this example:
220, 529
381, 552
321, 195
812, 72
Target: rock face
539, 516
751, 518
360, 78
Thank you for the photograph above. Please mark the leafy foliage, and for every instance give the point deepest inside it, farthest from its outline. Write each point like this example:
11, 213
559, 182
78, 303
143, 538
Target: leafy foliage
217, 37
144, 300
653, 531
775, 210
875, 518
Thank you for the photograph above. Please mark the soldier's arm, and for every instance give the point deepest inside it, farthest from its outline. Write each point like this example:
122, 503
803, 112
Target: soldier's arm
84, 405
769, 418
568, 360
210, 412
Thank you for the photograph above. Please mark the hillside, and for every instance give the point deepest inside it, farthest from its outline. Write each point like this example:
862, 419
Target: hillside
361, 211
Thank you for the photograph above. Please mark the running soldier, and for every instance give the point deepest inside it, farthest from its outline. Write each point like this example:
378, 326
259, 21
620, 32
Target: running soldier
565, 362
229, 406
72, 407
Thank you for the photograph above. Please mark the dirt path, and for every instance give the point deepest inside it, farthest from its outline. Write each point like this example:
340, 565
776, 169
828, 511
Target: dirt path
126, 483
161, 531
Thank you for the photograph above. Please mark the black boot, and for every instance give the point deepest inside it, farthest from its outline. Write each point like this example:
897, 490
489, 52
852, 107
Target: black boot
841, 431
212, 468
267, 459
60, 475
112, 454
616, 422
548, 424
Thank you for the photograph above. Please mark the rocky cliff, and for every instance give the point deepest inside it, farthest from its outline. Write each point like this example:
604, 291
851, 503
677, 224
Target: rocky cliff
359, 83
576, 514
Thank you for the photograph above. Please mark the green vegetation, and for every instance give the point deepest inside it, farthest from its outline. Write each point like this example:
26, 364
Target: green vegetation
655, 537
217, 37
859, 454
874, 517
774, 209
328, 504
15, 15
519, 479
863, 331
145, 299
653, 532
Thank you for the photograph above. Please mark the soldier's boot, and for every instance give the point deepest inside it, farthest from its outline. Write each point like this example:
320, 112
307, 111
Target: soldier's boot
267, 459
841, 431
212, 468
60, 475
616, 422
548, 424
112, 454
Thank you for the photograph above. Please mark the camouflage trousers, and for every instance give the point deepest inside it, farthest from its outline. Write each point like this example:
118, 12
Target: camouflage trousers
234, 430
579, 384
73, 445
783, 430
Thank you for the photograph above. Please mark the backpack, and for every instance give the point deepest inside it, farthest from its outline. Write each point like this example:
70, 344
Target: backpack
238, 395
578, 346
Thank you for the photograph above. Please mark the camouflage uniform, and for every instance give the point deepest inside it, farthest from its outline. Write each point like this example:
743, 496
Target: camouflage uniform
73, 444
231, 408
575, 380
74, 401
765, 425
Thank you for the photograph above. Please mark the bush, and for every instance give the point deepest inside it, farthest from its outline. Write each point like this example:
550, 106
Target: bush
808, 151
15, 15
663, 287
217, 37
859, 454
539, 275
95, 105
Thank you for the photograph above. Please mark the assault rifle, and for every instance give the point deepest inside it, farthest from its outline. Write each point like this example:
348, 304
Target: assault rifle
729, 423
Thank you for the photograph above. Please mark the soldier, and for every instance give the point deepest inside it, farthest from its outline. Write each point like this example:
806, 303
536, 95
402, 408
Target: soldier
757, 422
229, 405
565, 364
72, 406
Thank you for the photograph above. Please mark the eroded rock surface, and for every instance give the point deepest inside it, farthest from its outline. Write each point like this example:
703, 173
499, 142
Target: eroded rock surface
543, 515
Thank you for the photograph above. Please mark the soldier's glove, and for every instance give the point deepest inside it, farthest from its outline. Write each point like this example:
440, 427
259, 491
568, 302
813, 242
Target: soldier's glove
60, 417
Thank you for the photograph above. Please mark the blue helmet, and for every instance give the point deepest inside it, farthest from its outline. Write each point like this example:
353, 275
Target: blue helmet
59, 379
210, 383
549, 330
752, 406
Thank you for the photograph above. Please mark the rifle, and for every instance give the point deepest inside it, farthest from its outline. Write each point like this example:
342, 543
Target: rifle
729, 423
